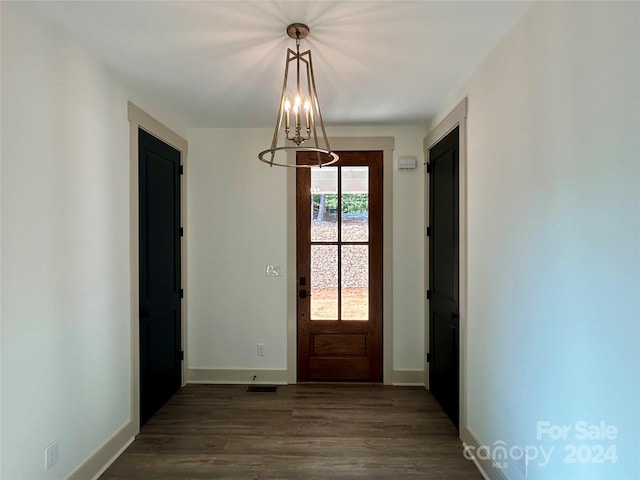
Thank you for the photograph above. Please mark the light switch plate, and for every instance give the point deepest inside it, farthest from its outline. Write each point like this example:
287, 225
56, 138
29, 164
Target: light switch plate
273, 270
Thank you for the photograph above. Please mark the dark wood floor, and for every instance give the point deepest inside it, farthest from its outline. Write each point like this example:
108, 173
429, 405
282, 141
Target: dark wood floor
299, 432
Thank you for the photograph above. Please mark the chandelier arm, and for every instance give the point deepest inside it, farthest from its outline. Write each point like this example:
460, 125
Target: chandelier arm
291, 56
283, 97
313, 121
298, 63
310, 94
298, 100
317, 106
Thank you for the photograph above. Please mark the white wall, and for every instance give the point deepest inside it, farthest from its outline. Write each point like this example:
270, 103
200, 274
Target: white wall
65, 250
237, 210
237, 225
554, 235
408, 234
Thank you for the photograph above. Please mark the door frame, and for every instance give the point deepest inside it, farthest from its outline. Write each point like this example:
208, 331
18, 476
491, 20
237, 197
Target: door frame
456, 118
371, 329
138, 118
386, 145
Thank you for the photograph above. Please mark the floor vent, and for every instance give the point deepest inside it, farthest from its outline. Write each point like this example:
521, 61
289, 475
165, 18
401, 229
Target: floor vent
262, 389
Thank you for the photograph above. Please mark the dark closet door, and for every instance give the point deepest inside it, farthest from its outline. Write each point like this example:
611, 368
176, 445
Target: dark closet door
443, 274
160, 292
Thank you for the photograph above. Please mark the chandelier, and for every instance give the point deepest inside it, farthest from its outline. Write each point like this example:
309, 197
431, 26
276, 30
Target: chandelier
299, 110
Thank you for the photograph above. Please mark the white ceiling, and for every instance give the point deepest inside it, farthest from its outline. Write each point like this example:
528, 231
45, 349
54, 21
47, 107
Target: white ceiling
220, 63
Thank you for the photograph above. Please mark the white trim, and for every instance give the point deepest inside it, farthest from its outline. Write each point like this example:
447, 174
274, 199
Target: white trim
407, 378
140, 119
386, 144
488, 469
237, 376
108, 452
457, 117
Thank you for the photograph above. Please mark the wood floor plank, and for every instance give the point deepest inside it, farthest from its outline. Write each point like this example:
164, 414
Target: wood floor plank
285, 467
170, 443
299, 432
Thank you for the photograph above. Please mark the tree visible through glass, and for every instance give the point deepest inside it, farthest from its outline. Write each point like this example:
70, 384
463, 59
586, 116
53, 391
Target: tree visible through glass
339, 243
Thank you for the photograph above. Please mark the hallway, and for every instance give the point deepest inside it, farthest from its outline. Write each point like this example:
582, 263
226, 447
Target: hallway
299, 432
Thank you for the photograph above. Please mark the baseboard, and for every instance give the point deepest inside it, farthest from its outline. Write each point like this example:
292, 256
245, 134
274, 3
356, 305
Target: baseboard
487, 467
279, 377
237, 376
407, 378
104, 456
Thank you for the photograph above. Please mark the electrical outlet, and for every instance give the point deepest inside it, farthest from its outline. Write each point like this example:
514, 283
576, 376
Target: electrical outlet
262, 349
51, 455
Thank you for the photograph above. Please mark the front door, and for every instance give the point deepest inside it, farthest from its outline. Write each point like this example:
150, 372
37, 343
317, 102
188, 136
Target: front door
443, 274
339, 268
160, 293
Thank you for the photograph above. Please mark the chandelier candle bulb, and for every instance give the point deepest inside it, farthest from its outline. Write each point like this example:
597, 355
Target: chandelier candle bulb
296, 109
287, 107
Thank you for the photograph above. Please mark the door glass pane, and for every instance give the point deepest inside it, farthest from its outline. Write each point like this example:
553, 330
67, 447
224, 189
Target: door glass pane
355, 282
324, 201
324, 282
355, 204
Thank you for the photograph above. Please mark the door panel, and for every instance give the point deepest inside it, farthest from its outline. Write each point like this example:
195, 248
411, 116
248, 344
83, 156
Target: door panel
339, 254
160, 272
443, 274
340, 344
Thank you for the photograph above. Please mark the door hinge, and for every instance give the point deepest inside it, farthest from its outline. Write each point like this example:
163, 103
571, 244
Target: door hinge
428, 294
428, 165
428, 231
182, 293
181, 170
181, 232
181, 354
429, 357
